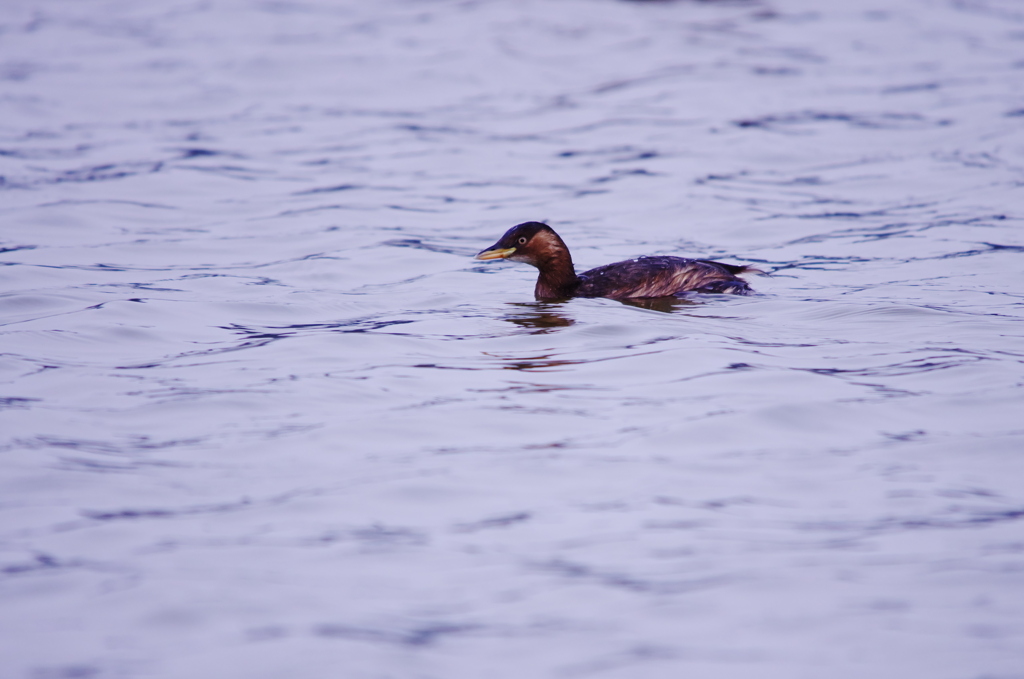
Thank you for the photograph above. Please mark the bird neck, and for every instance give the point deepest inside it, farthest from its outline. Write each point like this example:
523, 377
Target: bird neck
557, 279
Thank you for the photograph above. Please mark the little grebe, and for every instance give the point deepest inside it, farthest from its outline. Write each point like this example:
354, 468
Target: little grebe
658, 276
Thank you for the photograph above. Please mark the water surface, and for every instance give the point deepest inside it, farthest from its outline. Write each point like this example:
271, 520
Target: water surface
264, 416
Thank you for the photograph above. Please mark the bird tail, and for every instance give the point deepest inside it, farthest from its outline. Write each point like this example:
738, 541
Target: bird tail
735, 286
737, 269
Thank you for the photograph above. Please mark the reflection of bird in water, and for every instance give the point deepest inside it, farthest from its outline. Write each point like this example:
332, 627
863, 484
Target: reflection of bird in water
659, 276
539, 317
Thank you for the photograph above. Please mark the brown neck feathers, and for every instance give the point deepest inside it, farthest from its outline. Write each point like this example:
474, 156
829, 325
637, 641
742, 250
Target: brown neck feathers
557, 279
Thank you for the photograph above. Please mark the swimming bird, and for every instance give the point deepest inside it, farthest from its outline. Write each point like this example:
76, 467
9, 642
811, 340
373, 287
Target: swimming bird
537, 244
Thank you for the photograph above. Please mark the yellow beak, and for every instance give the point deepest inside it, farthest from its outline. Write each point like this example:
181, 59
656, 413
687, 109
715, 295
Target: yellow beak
497, 253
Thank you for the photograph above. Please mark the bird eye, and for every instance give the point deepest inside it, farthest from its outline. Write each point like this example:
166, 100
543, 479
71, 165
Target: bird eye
522, 240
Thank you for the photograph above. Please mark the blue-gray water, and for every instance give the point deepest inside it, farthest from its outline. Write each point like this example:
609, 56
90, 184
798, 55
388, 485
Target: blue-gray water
265, 417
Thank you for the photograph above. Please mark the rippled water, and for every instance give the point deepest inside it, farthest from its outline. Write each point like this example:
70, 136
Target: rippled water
264, 416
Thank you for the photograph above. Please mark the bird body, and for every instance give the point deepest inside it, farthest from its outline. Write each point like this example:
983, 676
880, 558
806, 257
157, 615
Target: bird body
653, 276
